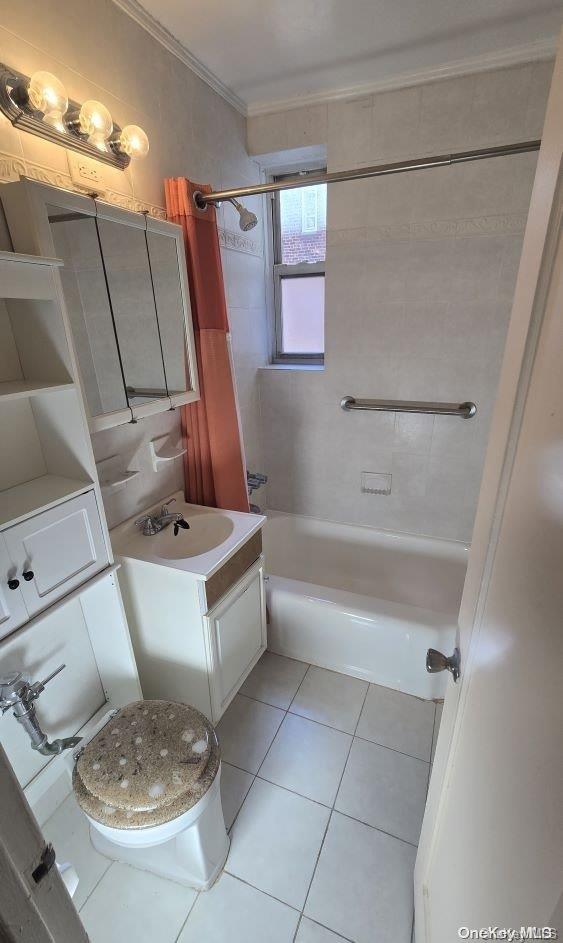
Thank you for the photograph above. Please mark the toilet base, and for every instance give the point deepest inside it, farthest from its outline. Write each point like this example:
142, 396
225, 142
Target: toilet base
195, 856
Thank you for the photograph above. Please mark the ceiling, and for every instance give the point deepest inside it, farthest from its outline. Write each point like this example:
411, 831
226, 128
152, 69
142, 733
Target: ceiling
271, 53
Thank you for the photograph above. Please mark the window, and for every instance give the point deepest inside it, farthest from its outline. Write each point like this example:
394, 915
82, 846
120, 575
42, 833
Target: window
299, 229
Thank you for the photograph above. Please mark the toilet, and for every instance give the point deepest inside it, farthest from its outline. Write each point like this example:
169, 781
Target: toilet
149, 785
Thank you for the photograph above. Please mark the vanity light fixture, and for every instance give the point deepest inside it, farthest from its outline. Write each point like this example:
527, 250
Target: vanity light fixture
46, 94
39, 104
94, 120
131, 141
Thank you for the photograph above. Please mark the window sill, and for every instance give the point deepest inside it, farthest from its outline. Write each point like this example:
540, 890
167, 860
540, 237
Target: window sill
315, 367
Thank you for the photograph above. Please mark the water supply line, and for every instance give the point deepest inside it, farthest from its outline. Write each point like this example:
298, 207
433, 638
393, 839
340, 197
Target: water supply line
18, 693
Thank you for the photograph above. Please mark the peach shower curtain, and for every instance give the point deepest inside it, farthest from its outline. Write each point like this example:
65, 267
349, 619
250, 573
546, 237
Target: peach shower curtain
215, 474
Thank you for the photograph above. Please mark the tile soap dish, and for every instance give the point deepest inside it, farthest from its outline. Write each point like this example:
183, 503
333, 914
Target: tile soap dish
375, 483
164, 453
112, 475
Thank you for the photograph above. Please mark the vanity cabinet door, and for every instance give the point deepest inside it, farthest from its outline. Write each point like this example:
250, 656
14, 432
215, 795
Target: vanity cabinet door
56, 551
236, 632
12, 607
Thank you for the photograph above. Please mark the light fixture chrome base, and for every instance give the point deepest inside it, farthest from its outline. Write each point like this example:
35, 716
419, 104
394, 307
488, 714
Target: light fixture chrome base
15, 106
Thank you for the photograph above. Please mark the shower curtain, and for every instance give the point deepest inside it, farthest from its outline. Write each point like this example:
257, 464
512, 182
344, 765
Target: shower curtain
214, 466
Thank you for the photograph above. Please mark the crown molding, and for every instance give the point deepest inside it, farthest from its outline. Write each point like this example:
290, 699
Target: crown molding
159, 32
537, 51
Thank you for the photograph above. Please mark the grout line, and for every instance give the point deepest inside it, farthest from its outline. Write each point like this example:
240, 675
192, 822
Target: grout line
270, 782
335, 799
282, 721
392, 749
298, 689
260, 891
231, 826
111, 863
294, 937
320, 723
335, 932
376, 828
194, 902
339, 729
430, 762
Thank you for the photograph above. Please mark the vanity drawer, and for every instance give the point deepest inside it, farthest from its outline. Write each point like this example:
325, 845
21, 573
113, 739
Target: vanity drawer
232, 570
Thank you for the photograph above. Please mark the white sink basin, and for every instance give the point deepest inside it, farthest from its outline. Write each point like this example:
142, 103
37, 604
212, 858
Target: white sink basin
213, 537
207, 532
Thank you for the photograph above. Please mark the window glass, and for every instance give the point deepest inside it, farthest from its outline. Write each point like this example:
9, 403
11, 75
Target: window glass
302, 221
303, 302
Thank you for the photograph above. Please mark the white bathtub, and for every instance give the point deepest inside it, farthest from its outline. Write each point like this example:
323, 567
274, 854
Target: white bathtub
365, 602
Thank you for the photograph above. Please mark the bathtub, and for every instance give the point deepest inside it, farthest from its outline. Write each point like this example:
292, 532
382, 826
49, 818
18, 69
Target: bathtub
362, 601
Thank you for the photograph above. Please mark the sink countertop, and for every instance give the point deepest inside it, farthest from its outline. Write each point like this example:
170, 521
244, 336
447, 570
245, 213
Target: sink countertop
214, 536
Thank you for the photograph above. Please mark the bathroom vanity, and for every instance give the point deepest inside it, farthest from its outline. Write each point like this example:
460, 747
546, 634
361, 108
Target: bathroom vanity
195, 604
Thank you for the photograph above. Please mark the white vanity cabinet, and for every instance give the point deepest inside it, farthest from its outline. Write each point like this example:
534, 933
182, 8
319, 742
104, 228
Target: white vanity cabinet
12, 606
47, 556
55, 551
235, 635
197, 622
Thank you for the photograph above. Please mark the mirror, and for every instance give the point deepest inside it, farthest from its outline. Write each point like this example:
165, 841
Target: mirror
126, 290
163, 256
128, 274
86, 295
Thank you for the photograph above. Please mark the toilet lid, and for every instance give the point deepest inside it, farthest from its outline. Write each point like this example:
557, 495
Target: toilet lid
153, 761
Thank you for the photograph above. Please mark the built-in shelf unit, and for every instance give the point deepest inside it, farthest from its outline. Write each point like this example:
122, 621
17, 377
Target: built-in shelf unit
46, 453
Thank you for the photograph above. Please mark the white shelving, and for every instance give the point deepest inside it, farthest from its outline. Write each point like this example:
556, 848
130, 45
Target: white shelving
113, 477
165, 452
19, 389
45, 492
46, 451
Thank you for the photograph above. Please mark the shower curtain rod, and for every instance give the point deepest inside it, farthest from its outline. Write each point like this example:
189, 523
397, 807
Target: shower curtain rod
378, 170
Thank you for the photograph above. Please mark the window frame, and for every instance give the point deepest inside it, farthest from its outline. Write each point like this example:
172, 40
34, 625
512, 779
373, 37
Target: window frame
284, 270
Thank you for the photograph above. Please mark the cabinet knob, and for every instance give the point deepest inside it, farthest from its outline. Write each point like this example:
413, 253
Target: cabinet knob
13, 584
28, 575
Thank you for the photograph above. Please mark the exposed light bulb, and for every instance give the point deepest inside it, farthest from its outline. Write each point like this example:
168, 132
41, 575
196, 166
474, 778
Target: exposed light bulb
95, 120
133, 141
48, 95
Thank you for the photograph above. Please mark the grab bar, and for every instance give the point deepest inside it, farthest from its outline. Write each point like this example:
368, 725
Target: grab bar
463, 410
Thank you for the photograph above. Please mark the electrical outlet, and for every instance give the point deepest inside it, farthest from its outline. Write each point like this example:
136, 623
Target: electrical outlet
88, 170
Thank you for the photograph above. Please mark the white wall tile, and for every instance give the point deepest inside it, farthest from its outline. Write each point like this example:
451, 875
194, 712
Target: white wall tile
420, 276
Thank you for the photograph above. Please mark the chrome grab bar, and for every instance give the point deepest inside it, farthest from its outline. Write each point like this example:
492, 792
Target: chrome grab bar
463, 410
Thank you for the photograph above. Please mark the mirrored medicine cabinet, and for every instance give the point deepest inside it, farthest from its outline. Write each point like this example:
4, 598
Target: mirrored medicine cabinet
126, 294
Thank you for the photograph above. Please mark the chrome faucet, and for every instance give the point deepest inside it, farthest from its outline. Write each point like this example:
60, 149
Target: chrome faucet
153, 523
18, 693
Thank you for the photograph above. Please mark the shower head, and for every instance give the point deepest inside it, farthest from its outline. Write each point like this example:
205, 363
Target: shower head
247, 220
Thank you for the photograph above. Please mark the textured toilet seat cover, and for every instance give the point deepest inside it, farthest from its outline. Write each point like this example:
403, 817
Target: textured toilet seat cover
153, 761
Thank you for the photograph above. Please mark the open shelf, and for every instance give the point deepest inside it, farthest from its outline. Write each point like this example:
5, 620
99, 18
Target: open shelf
112, 475
44, 492
17, 389
165, 452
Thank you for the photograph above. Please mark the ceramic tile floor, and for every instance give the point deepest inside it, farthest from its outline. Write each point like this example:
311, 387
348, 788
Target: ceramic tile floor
324, 784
